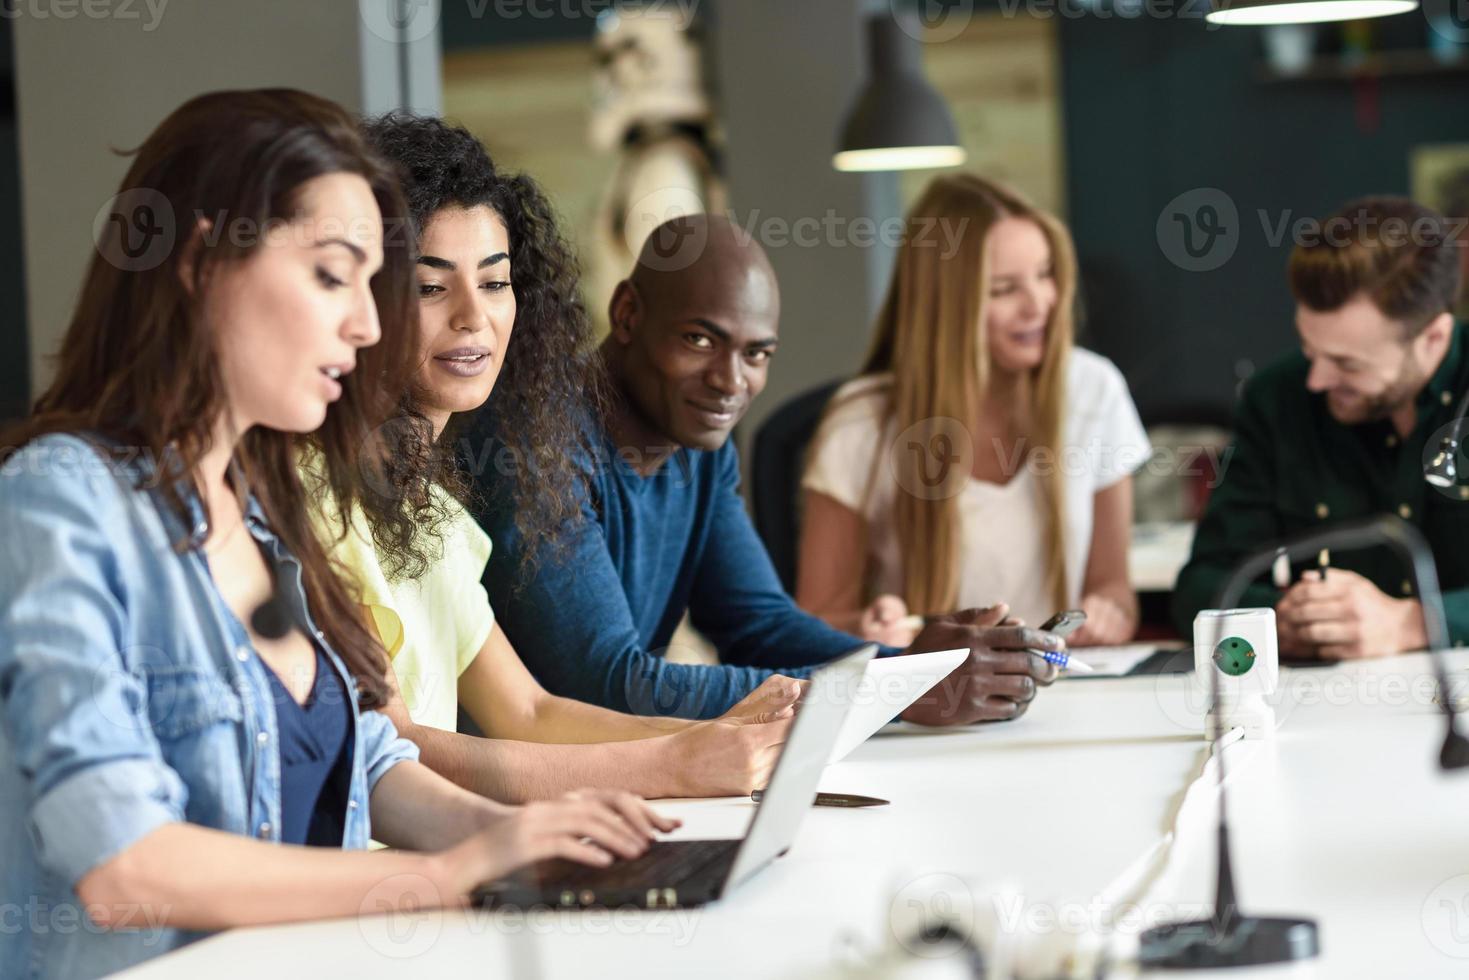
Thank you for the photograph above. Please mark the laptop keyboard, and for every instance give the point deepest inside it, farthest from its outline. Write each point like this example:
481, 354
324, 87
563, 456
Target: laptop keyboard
664, 863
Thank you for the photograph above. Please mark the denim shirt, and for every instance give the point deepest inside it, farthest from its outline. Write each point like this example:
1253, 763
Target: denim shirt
130, 698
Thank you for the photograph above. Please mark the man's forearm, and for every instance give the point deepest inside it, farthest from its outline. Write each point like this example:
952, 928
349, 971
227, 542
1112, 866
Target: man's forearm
517, 772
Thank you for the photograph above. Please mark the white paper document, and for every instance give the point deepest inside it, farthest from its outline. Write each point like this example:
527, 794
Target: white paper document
889, 686
1114, 661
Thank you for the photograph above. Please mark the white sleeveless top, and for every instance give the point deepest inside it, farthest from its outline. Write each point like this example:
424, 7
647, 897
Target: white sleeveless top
1002, 556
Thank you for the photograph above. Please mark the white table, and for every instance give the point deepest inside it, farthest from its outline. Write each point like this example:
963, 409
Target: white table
1342, 816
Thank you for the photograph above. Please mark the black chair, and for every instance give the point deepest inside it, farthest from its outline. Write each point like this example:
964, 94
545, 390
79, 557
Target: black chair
775, 475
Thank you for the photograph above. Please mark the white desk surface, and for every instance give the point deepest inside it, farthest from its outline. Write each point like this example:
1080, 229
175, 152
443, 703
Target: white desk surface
1343, 817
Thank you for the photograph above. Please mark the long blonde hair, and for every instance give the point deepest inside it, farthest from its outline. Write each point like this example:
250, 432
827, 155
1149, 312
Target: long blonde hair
930, 335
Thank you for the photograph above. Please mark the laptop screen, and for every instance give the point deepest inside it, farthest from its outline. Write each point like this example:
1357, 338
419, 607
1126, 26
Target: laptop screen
798, 771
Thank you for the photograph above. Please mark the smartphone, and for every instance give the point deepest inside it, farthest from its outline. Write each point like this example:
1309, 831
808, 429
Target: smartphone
1064, 623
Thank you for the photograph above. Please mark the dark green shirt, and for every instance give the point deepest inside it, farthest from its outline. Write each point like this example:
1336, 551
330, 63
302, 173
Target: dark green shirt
1294, 468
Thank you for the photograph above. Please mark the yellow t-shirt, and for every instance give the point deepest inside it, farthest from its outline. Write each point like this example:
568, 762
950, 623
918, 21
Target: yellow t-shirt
433, 626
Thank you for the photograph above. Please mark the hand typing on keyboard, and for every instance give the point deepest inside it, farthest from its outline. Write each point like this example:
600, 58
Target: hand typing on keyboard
589, 827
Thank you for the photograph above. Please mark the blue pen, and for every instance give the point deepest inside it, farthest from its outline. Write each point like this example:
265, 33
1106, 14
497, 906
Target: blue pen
1063, 661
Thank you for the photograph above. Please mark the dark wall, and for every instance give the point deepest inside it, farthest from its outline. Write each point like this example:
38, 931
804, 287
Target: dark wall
14, 346
484, 23
1156, 108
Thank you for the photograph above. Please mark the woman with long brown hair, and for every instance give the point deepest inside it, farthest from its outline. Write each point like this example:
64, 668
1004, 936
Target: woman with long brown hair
182, 675
979, 456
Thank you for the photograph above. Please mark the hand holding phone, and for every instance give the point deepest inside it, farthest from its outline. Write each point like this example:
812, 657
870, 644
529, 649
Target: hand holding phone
1063, 624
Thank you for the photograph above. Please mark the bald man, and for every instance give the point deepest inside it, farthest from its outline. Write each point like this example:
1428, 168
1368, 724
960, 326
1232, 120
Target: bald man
663, 528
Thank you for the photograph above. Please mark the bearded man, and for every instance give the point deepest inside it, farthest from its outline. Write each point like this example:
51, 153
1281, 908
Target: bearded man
1341, 430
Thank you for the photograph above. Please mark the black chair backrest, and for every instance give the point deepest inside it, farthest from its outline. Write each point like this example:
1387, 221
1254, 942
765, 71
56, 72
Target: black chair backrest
775, 475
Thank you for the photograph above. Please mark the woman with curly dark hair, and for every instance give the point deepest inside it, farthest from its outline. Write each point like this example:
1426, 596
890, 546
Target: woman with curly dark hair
502, 331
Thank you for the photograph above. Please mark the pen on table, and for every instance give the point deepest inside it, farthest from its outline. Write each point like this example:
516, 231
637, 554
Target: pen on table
833, 799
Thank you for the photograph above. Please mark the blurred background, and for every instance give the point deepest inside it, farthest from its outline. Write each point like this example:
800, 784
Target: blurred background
1182, 154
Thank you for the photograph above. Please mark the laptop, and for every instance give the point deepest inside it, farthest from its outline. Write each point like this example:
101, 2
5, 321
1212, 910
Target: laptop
689, 873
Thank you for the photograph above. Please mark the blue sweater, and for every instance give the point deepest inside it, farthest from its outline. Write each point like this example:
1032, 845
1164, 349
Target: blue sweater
593, 620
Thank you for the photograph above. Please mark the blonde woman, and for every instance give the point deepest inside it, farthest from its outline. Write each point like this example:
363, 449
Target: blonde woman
979, 456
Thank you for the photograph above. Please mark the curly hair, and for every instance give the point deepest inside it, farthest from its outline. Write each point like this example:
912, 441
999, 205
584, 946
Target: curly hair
548, 380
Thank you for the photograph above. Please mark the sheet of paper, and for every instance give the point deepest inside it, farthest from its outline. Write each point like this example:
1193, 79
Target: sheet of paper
888, 687
1113, 661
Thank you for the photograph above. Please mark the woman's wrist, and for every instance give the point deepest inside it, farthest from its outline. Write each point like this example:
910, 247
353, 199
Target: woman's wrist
446, 872
1123, 599
1113, 616
668, 766
456, 871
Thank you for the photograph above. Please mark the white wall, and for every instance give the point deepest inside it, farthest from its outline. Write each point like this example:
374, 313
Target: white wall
86, 85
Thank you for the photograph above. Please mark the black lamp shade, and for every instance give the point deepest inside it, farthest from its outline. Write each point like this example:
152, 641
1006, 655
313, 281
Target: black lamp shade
898, 122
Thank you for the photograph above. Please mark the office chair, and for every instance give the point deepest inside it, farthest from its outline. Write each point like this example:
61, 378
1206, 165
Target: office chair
776, 465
